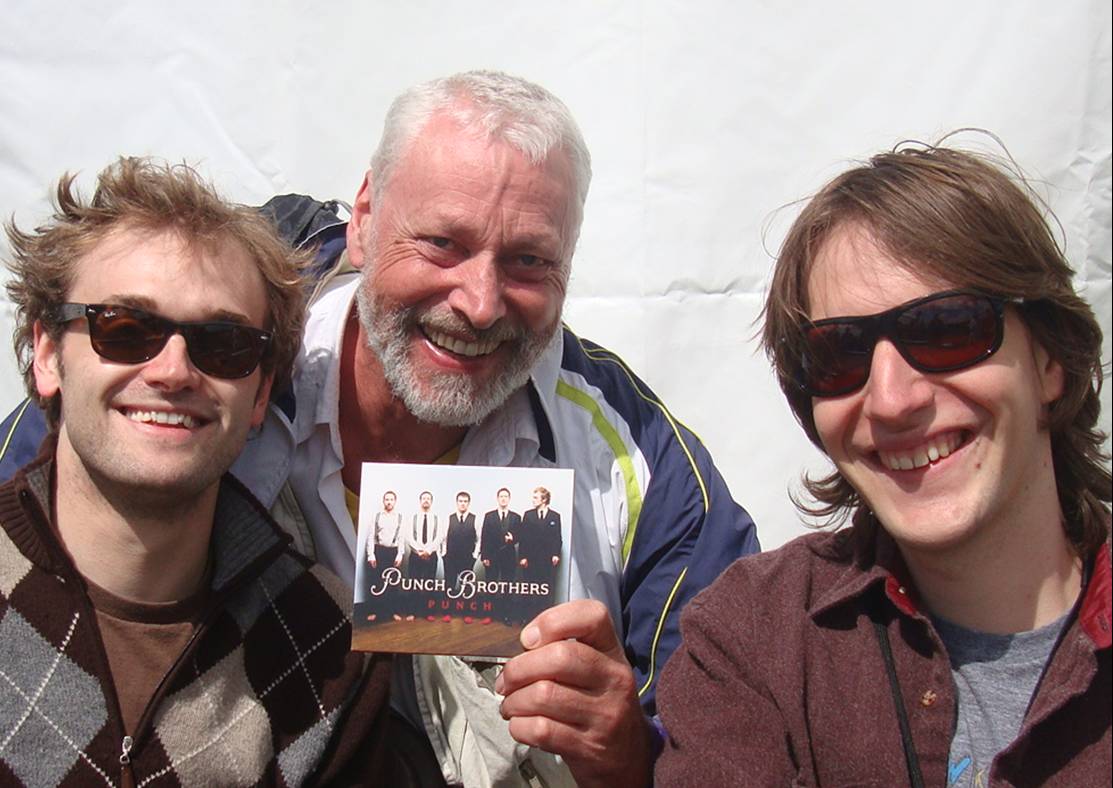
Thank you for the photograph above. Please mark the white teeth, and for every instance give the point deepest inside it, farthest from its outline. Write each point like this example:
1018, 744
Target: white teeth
162, 417
930, 452
459, 346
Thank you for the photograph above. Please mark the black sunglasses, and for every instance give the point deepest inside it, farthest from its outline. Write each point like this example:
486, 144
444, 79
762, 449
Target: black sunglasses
941, 332
128, 335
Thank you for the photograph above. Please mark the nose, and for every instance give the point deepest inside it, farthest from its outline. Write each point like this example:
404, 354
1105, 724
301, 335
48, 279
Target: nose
478, 291
171, 369
896, 392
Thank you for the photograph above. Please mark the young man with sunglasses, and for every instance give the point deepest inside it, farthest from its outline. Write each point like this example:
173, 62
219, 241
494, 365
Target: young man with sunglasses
926, 333
154, 622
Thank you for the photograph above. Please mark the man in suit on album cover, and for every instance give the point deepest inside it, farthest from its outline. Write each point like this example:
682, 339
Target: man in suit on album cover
461, 542
498, 540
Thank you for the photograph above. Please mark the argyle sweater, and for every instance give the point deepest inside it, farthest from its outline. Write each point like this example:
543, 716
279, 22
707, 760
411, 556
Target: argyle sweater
267, 691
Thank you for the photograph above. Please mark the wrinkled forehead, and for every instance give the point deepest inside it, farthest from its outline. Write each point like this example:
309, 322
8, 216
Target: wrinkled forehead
446, 164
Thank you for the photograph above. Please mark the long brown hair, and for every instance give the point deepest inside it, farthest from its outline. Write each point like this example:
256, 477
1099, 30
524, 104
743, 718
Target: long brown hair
957, 217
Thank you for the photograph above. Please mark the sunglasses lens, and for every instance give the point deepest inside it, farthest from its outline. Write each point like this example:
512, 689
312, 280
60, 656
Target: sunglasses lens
837, 358
225, 350
939, 334
949, 333
126, 336
132, 336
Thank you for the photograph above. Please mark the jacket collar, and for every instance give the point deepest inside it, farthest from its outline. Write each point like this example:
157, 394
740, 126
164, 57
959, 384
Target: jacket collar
869, 563
1094, 614
521, 426
879, 562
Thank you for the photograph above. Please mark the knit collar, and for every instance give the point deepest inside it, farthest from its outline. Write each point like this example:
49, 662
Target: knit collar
243, 532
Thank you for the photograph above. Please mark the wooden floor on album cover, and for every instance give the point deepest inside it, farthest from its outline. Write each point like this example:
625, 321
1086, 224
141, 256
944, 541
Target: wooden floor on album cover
454, 636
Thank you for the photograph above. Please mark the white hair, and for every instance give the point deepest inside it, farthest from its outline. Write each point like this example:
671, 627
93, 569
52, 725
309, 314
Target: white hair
524, 115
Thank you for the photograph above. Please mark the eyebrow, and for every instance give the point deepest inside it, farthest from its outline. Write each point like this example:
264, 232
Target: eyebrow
547, 244
526, 240
149, 305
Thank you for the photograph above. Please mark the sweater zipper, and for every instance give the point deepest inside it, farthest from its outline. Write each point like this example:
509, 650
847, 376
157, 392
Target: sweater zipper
75, 585
130, 743
215, 605
69, 575
127, 777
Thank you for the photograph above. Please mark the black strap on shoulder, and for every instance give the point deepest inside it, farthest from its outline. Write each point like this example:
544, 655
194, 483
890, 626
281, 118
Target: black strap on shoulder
912, 762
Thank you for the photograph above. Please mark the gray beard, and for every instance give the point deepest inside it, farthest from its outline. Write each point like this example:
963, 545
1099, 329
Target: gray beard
447, 400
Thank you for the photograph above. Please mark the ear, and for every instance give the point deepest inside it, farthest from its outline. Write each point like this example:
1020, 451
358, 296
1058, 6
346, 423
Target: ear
262, 399
359, 226
45, 364
1049, 373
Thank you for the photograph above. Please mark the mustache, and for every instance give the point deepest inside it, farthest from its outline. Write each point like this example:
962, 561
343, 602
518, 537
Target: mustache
449, 322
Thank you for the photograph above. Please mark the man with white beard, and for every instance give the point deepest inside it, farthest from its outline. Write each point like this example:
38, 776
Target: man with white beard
447, 346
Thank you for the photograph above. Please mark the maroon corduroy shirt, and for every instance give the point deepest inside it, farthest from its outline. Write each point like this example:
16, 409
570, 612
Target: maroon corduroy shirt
780, 679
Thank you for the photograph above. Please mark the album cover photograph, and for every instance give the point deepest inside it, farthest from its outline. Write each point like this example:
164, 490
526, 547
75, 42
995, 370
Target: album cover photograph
454, 559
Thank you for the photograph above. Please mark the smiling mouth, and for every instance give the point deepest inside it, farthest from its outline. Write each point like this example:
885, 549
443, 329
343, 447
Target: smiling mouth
162, 417
469, 349
928, 453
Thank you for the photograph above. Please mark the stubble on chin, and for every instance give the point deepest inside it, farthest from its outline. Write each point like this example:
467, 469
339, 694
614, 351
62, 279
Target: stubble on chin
137, 477
134, 488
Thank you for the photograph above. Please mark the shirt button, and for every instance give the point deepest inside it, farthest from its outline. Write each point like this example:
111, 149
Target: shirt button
928, 698
901, 590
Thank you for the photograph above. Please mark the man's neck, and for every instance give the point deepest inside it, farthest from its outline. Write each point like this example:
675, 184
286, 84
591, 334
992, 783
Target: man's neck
1014, 579
376, 426
138, 547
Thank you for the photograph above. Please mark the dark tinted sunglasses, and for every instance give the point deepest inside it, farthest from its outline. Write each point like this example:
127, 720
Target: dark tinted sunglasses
128, 335
938, 333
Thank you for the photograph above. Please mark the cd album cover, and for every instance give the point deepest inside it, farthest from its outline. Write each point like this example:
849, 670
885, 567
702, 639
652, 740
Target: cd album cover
456, 559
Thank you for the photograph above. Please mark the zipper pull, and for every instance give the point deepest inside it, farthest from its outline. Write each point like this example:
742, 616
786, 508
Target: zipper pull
127, 778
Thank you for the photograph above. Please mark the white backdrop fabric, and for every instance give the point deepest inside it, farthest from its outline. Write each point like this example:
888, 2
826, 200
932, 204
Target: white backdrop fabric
707, 121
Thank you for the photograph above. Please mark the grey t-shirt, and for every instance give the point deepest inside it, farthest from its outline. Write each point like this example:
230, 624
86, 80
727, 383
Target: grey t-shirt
995, 676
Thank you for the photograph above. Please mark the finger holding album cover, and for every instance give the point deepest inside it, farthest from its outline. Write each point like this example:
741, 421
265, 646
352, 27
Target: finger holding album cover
455, 559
